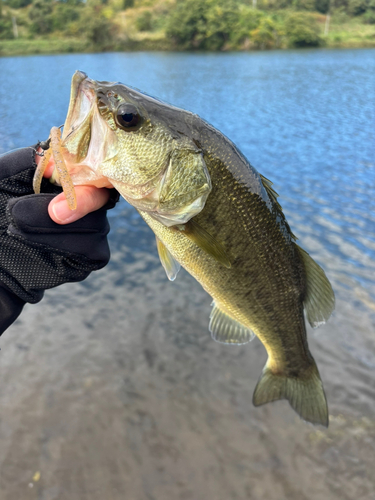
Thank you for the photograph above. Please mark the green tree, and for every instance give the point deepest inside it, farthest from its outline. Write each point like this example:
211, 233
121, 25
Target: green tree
266, 35
322, 6
203, 24
222, 18
248, 20
308, 5
6, 29
99, 30
275, 4
18, 4
302, 30
369, 17
339, 5
144, 21
186, 23
63, 15
40, 17
357, 7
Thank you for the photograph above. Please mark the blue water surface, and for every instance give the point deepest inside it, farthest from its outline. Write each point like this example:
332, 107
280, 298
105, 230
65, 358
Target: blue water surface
304, 119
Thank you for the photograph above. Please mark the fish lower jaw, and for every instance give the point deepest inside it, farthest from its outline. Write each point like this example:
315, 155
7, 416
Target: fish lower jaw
81, 180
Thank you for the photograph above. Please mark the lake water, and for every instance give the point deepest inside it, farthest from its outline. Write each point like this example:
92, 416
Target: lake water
112, 388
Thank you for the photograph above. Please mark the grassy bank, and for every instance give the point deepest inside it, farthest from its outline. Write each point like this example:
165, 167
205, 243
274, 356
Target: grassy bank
40, 46
341, 36
350, 33
70, 45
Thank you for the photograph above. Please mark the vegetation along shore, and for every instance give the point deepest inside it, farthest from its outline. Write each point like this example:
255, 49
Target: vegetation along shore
56, 26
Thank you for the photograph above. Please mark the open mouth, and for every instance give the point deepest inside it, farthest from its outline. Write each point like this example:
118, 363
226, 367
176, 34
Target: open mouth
76, 135
82, 96
87, 140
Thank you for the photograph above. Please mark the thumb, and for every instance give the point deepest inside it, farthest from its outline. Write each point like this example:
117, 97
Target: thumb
89, 199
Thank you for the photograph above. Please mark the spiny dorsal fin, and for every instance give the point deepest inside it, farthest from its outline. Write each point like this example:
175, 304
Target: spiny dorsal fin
205, 241
227, 330
267, 184
170, 264
319, 300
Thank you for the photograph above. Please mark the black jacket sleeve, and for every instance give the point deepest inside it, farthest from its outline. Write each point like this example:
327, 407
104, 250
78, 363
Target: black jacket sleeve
10, 308
35, 252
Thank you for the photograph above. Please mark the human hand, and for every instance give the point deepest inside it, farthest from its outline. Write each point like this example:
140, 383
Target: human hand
37, 251
89, 199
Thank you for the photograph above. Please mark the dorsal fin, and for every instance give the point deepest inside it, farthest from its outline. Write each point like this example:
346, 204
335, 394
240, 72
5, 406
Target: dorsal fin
267, 184
227, 330
319, 300
170, 264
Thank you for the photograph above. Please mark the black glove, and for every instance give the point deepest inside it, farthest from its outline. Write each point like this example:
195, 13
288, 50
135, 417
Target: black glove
35, 252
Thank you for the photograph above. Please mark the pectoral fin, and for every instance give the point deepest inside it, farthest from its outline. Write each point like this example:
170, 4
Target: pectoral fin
319, 300
170, 264
227, 330
205, 241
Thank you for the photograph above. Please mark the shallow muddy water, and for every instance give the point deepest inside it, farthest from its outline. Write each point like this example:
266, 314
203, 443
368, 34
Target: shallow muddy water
112, 388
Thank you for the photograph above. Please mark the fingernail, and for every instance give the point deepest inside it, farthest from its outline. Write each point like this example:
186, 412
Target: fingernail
62, 212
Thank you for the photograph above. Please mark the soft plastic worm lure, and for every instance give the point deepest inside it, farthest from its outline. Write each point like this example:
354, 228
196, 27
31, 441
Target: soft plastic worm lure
40, 169
62, 176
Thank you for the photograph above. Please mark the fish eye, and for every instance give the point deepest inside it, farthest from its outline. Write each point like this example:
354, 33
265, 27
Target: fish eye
127, 117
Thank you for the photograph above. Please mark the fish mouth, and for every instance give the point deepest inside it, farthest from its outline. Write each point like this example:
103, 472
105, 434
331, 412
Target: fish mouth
87, 140
80, 104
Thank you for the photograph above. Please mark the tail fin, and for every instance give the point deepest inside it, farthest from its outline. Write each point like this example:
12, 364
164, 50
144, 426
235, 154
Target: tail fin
305, 394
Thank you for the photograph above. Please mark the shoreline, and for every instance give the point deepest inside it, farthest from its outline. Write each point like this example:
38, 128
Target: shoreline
65, 45
9, 48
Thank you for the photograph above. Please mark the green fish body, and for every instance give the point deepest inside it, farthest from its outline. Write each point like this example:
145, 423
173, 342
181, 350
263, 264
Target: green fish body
216, 216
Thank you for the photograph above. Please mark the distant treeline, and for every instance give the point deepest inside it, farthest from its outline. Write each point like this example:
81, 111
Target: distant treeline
182, 24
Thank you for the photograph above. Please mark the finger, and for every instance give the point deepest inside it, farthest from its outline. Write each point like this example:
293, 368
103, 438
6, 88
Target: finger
89, 199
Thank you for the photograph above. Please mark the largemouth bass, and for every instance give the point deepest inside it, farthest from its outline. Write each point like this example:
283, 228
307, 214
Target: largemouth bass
216, 216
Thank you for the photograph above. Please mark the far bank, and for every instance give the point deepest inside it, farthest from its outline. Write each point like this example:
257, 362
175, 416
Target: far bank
95, 32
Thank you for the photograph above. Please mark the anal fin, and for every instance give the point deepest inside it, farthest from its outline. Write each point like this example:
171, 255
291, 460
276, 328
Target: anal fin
227, 330
170, 264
